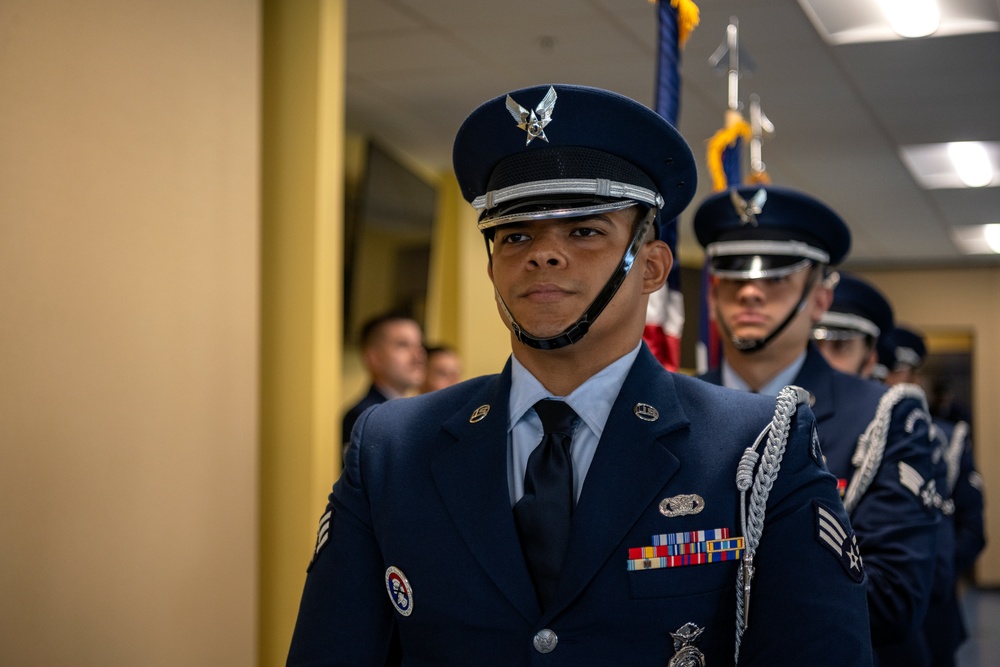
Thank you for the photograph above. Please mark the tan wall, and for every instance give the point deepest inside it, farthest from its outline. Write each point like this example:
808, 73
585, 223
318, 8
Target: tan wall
128, 332
963, 300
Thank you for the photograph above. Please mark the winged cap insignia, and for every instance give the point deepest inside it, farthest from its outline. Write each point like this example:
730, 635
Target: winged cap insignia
749, 210
533, 122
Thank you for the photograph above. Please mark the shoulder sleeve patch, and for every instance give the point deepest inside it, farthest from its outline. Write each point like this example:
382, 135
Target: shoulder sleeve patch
925, 490
839, 539
322, 537
976, 481
816, 449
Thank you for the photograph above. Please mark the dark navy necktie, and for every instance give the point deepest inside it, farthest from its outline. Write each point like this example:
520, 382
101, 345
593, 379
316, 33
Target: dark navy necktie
544, 512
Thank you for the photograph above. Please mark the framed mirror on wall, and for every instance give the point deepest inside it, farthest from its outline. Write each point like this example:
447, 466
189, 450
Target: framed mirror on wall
388, 229
946, 375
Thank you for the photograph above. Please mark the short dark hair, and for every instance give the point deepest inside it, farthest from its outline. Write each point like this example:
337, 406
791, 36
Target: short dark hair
373, 326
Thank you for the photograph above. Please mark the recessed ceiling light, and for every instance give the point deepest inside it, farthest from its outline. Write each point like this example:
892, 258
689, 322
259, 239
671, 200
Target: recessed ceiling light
850, 21
912, 18
971, 162
959, 164
977, 239
992, 235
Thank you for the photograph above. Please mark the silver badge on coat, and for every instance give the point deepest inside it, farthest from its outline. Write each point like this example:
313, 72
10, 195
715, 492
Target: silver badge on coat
645, 412
682, 505
687, 655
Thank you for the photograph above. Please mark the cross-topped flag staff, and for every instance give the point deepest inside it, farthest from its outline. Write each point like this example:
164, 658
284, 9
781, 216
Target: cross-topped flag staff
724, 146
724, 165
760, 127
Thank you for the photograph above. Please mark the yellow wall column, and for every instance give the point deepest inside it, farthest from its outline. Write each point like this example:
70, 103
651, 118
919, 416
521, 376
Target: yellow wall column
461, 308
302, 211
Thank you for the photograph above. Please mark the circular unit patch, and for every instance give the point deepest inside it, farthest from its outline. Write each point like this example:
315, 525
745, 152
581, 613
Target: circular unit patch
399, 591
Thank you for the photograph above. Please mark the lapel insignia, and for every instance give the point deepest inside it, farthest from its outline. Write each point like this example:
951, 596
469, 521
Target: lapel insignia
749, 210
682, 505
400, 593
533, 122
685, 653
840, 540
696, 547
480, 414
646, 412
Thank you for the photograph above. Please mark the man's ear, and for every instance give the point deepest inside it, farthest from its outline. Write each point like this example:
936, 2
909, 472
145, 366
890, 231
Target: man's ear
656, 263
869, 365
822, 299
711, 297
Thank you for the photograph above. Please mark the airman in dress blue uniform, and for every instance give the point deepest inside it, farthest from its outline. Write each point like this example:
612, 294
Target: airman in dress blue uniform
964, 535
770, 251
584, 506
848, 336
848, 333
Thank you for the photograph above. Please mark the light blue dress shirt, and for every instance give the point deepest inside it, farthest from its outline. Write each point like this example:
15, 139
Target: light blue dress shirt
773, 388
592, 403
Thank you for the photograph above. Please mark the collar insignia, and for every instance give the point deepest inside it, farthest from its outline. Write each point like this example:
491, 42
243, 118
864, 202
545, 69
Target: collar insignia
749, 210
646, 412
480, 414
534, 122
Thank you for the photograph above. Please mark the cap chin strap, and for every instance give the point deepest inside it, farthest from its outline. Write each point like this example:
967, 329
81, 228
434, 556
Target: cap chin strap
578, 329
749, 345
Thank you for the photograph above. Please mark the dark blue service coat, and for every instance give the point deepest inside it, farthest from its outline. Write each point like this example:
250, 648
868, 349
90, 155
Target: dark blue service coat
425, 491
895, 528
373, 397
944, 627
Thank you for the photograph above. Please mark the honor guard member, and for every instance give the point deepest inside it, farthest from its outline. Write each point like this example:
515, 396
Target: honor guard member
944, 627
885, 348
848, 333
769, 251
392, 351
584, 506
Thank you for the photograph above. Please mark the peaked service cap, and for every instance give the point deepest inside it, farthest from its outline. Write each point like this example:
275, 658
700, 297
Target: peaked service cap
754, 232
566, 151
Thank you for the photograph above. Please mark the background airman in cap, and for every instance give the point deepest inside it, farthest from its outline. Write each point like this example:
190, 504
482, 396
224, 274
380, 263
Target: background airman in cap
584, 503
848, 333
770, 251
963, 534
847, 336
